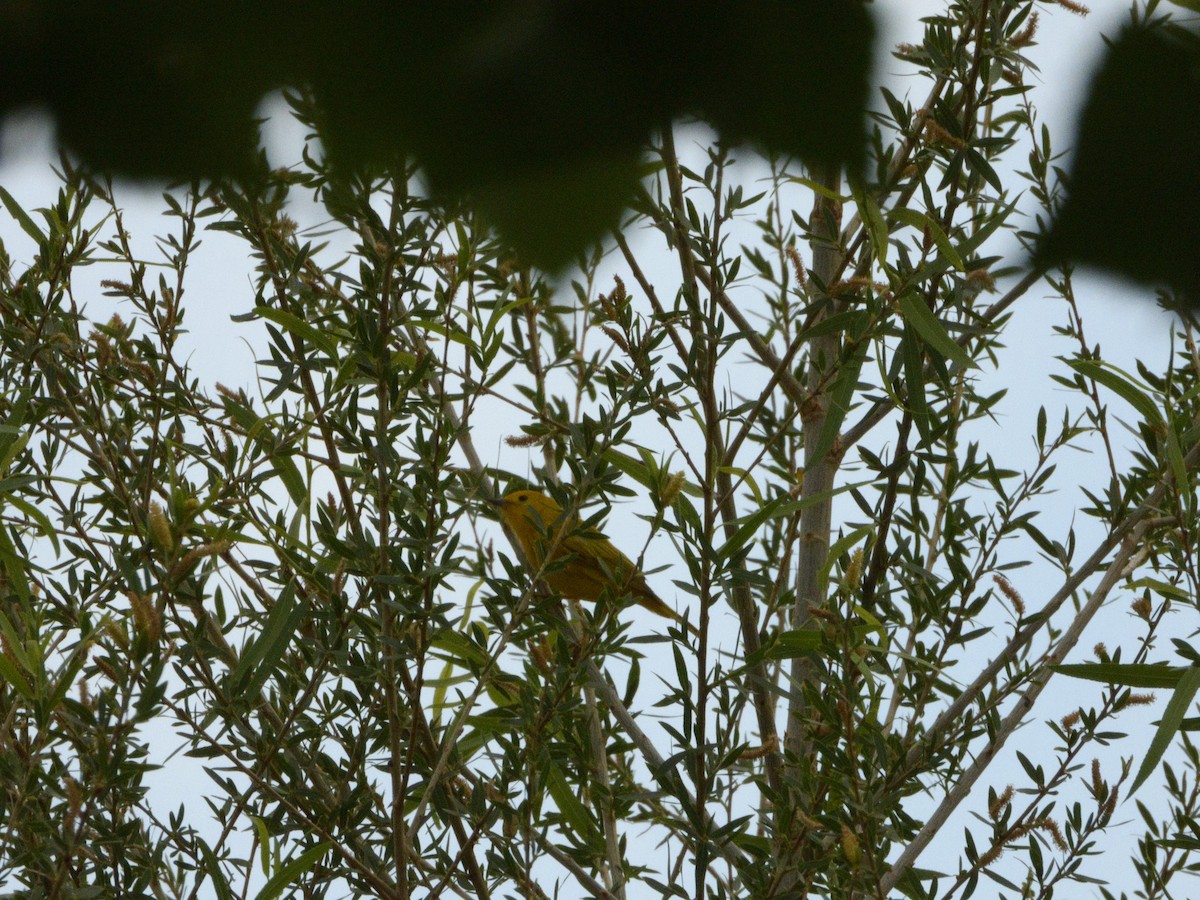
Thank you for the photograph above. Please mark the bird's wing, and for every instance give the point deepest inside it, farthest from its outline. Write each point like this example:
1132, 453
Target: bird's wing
593, 546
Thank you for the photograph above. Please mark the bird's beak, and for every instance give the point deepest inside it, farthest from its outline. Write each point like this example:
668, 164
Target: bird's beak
496, 502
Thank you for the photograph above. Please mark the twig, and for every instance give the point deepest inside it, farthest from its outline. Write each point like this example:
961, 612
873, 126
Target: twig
1130, 556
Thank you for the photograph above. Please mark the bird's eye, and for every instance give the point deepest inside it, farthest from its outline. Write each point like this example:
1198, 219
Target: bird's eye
522, 498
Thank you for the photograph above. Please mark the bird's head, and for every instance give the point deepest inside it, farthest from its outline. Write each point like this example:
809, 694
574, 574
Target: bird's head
527, 505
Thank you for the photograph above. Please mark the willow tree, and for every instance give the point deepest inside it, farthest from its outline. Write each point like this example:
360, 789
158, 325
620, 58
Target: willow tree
773, 386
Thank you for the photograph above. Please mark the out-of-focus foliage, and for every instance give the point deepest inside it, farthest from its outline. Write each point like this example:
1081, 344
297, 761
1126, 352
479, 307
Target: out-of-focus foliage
539, 111
1134, 200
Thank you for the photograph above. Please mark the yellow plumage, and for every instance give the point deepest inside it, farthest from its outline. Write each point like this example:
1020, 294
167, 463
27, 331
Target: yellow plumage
592, 564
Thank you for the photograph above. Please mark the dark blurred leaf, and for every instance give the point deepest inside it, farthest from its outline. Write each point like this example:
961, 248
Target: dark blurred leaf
1134, 204
551, 215
537, 110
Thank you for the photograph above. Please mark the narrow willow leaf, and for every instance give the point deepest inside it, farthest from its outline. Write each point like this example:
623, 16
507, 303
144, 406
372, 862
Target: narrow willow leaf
12, 444
256, 427
921, 221
818, 188
877, 228
15, 677
1160, 587
264, 842
568, 803
840, 546
36, 515
259, 660
1121, 385
841, 393
296, 326
806, 641
641, 473
291, 871
746, 477
926, 324
780, 506
1137, 675
914, 381
1178, 468
27, 224
791, 644
1172, 718
458, 646
13, 565
212, 869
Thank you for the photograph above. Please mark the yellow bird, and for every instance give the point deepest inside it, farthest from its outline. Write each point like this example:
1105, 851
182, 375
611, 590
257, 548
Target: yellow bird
592, 562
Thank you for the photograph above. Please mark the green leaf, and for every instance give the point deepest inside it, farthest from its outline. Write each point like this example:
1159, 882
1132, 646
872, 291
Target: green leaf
264, 842
296, 326
458, 646
1160, 587
19, 648
990, 225
926, 324
502, 688
1136, 675
14, 676
839, 547
642, 474
567, 801
791, 644
980, 164
15, 444
747, 477
1120, 384
806, 641
293, 870
212, 868
67, 672
13, 565
1172, 718
914, 380
840, 395
43, 521
27, 224
439, 692
780, 506
825, 191
1178, 468
920, 220
262, 656
877, 228
256, 427
290, 475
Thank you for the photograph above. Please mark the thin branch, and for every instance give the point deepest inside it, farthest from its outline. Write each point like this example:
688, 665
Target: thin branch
1131, 555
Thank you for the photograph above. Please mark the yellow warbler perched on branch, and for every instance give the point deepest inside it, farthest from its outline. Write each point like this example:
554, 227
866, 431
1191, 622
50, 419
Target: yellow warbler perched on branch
592, 562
